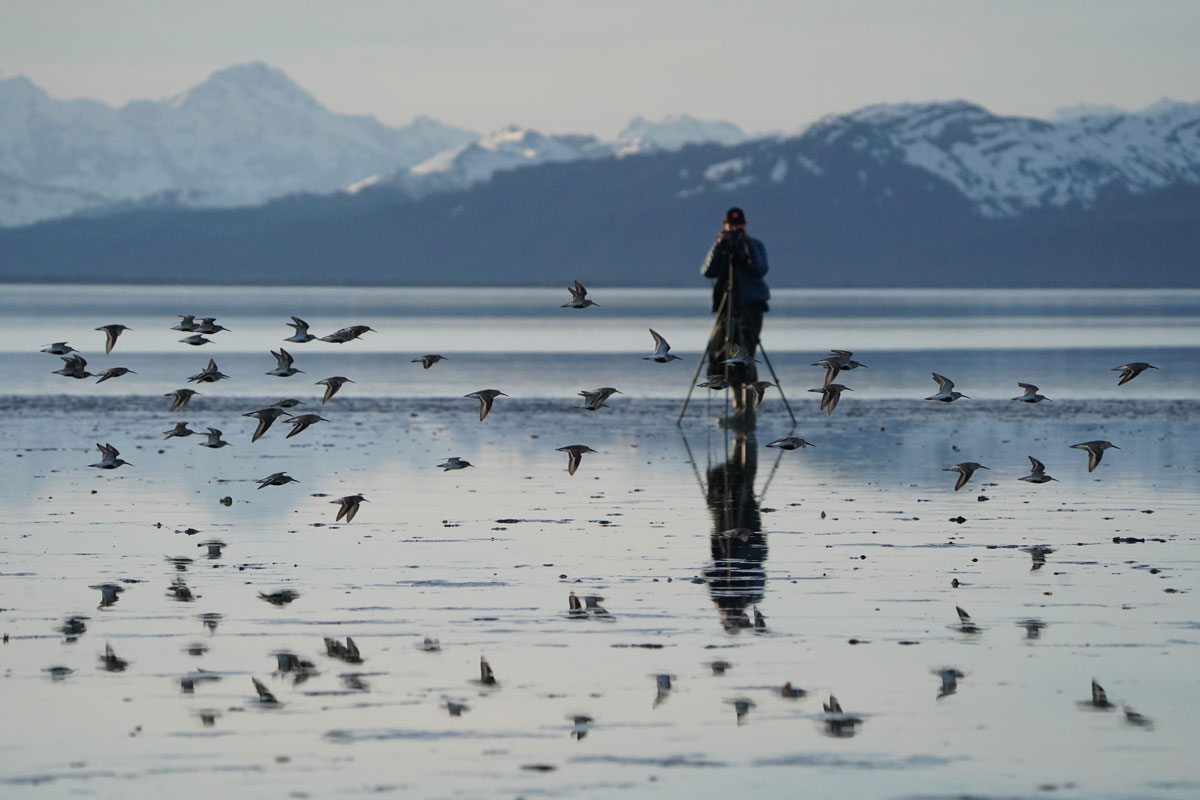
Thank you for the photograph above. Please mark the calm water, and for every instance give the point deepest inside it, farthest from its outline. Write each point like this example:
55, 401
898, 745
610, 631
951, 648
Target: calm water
850, 550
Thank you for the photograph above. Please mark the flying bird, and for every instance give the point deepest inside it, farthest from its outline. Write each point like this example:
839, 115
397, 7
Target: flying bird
283, 364
114, 372
210, 374
1031, 394
574, 455
214, 440
180, 398
790, 443
945, 393
331, 386
265, 416
1095, 451
348, 507
830, 394
195, 340
662, 351
578, 297
594, 400
276, 479
111, 332
485, 398
301, 336
59, 349
301, 422
454, 462
108, 457
1131, 370
1037, 472
965, 470
835, 362
180, 429
428, 361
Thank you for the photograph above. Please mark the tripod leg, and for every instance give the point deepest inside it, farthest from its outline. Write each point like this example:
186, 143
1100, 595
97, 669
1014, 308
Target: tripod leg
703, 358
767, 359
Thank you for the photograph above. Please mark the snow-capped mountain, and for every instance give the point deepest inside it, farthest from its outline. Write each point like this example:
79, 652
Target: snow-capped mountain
245, 135
674, 132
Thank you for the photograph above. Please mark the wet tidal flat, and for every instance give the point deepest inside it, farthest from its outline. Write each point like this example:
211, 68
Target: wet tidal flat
725, 570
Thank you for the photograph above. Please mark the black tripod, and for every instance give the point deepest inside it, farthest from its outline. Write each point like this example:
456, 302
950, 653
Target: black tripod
726, 308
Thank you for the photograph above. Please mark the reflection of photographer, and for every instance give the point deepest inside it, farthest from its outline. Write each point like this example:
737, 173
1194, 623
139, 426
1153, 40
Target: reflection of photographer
745, 258
736, 576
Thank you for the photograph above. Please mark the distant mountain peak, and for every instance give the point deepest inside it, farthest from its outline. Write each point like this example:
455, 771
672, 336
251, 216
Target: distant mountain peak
676, 131
253, 81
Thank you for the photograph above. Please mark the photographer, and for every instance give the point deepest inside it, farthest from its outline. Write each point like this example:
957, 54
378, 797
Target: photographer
748, 300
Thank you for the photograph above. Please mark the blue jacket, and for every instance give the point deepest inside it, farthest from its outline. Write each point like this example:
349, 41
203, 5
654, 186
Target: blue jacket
749, 267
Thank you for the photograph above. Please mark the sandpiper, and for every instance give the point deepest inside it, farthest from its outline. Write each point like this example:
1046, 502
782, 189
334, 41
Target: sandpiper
740, 358
214, 439
59, 349
301, 422
1037, 472
1095, 451
1099, 697
830, 394
715, 382
114, 372
110, 662
287, 402
485, 398
343, 335
347, 652
594, 400
662, 351
965, 623
265, 416
264, 694
108, 593
195, 340
210, 374
429, 360
74, 367
332, 385
283, 364
280, 598
180, 398
348, 506
486, 676
578, 297
949, 676
1131, 370
111, 332
835, 362
208, 325
301, 336
180, 429
1031, 394
945, 393
454, 462
574, 455
187, 323
790, 443
276, 479
757, 390
965, 470
108, 458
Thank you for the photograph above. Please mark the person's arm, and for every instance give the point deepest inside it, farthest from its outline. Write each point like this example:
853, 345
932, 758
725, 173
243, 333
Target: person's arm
714, 266
758, 258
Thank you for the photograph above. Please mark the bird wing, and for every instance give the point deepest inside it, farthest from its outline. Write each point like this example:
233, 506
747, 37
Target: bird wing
1037, 467
944, 383
660, 344
1028, 387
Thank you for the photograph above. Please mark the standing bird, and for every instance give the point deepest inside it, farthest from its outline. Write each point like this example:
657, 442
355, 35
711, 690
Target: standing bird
1131, 370
180, 429
111, 332
114, 372
283, 364
108, 458
265, 416
331, 386
485, 398
180, 398
275, 479
662, 351
830, 394
301, 336
946, 393
578, 297
1037, 472
1095, 451
428, 361
965, 470
1031, 394
574, 455
348, 507
301, 422
214, 440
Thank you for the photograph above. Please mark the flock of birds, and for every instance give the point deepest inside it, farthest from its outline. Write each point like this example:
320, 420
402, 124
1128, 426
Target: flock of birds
835, 363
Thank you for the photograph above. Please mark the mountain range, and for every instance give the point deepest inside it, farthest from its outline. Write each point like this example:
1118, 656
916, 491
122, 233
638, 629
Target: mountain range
247, 170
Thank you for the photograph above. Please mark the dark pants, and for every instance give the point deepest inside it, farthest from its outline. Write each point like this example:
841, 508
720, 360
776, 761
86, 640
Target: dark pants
747, 325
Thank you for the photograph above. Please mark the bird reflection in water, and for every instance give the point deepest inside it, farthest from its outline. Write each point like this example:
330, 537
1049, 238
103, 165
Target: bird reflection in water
736, 576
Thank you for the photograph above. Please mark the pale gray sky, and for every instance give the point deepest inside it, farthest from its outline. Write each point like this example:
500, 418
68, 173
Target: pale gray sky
591, 65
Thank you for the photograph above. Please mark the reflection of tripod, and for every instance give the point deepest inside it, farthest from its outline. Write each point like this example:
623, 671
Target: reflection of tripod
725, 309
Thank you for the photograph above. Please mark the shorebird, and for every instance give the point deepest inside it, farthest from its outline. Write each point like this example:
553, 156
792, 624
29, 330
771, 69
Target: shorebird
486, 676
428, 361
108, 593
454, 462
790, 443
574, 607
1095, 451
264, 694
110, 662
1131, 370
835, 362
965, 470
830, 394
287, 402
301, 336
580, 724
111, 332
187, 323
1099, 698
283, 364
574, 455
578, 297
210, 374
757, 390
456, 707
280, 598
265, 416
740, 358
1037, 472
347, 652
1031, 394
180, 398
348, 507
180, 429
965, 623
715, 382
195, 340
214, 439
59, 349
485, 398
208, 325
594, 400
74, 367
949, 676
300, 422
343, 335
662, 351
946, 393
108, 458
114, 372
276, 479
332, 385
